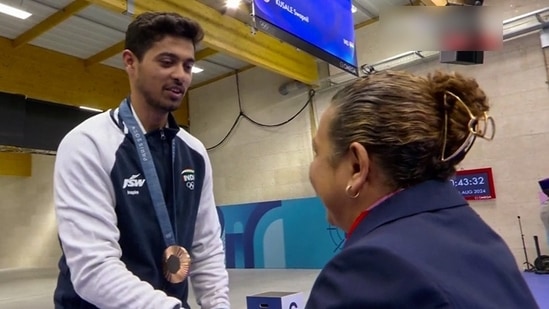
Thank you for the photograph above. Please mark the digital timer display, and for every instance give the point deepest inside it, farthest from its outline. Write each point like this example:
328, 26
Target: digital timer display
468, 181
475, 184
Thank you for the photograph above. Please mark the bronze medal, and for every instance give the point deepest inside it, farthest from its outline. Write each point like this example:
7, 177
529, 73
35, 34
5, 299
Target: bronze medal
177, 262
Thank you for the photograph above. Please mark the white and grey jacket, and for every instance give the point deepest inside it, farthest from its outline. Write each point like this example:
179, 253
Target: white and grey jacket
111, 241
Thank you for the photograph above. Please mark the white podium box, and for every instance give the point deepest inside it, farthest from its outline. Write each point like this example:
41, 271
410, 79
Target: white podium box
276, 300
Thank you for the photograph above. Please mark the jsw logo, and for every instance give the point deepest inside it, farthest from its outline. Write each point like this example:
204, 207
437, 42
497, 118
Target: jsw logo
133, 182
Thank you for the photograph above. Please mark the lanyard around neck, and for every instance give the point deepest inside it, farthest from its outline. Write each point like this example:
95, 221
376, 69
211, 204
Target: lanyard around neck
144, 154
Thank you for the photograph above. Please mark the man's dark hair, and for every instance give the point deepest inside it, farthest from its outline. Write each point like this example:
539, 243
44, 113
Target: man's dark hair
151, 27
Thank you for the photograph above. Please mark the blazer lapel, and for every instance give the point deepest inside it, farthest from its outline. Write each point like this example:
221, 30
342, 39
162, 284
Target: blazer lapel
428, 196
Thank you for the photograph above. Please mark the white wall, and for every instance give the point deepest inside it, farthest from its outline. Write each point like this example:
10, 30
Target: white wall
28, 235
257, 164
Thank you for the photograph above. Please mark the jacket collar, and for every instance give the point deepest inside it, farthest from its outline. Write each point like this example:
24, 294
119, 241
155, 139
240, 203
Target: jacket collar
172, 124
427, 196
172, 128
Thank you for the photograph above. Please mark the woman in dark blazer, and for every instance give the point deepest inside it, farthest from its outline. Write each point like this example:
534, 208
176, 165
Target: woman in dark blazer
384, 153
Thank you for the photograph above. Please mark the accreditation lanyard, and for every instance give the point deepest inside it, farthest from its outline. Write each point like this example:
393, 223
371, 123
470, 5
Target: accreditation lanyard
147, 164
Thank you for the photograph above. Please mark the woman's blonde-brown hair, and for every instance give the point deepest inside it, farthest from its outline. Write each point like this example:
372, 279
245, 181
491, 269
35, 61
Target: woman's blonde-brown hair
399, 118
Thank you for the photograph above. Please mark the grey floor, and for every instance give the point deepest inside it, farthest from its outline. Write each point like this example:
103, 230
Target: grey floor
34, 289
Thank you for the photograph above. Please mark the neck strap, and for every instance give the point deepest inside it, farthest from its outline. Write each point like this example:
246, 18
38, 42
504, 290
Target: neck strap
147, 164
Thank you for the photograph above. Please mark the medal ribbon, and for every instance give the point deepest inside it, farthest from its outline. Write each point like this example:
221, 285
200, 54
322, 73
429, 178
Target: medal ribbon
144, 154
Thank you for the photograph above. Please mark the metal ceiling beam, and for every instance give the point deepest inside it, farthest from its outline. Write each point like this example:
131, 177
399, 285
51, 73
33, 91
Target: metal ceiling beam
50, 22
230, 36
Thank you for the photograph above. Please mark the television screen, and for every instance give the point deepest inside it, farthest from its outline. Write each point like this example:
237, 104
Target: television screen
322, 28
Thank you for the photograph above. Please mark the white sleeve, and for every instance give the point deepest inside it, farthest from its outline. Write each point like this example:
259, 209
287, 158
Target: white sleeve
208, 274
87, 226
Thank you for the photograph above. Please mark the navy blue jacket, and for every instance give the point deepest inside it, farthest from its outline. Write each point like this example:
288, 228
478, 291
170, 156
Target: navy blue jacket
422, 248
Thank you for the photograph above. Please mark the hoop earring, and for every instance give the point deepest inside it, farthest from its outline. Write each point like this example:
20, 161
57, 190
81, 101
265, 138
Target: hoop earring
349, 187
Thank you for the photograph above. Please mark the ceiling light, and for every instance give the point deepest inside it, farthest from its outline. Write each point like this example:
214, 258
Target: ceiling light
10, 10
197, 70
91, 109
233, 4
353, 8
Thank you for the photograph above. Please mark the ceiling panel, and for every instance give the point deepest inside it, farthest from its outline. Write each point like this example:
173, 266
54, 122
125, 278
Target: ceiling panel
115, 62
212, 69
79, 37
108, 19
55, 4
202, 77
11, 27
227, 61
360, 17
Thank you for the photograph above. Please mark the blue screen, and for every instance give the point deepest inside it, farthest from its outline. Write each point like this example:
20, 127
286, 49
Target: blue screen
325, 24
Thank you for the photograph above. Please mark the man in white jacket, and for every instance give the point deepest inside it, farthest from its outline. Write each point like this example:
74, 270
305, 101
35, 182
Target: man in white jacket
133, 192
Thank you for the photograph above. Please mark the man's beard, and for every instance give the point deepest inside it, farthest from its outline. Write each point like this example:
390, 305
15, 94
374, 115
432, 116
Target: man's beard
157, 104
